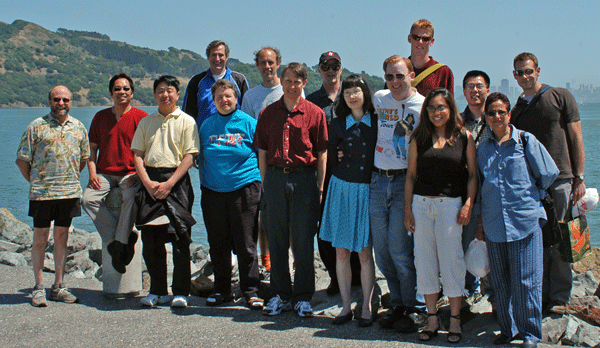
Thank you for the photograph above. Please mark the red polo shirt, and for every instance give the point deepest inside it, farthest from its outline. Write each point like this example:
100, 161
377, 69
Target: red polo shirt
114, 140
291, 138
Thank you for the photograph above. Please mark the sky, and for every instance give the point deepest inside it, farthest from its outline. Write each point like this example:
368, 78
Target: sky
484, 35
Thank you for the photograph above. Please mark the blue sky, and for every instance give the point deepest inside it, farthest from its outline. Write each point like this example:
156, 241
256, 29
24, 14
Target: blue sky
483, 35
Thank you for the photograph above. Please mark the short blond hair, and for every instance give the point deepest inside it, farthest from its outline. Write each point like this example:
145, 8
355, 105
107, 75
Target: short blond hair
422, 24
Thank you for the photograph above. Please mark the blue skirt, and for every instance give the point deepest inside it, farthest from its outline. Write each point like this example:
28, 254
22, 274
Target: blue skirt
345, 220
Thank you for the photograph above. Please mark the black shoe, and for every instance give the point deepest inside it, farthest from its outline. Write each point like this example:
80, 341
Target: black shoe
333, 288
412, 320
502, 339
427, 335
115, 249
218, 299
364, 322
129, 248
392, 315
529, 343
343, 319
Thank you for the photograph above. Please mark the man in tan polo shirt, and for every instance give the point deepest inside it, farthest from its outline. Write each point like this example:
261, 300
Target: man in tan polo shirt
164, 146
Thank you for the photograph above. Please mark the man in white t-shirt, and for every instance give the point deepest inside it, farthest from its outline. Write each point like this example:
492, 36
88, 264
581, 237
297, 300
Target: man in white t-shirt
398, 109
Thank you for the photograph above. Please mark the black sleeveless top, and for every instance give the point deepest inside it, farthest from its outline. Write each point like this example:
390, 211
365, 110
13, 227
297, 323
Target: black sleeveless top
443, 172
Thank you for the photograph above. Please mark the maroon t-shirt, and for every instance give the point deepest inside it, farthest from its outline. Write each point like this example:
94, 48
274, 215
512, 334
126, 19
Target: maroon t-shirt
442, 77
114, 140
291, 138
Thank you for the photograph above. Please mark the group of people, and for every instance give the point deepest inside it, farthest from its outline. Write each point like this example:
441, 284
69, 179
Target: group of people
400, 173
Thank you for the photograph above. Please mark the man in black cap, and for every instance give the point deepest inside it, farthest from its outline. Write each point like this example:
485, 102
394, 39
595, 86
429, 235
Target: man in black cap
330, 69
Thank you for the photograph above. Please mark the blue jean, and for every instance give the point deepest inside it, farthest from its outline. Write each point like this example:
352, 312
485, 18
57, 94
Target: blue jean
393, 245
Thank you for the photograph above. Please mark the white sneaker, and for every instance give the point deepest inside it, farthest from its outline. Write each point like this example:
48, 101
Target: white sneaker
303, 309
152, 300
179, 302
275, 306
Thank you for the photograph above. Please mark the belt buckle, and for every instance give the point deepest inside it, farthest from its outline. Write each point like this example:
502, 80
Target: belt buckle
389, 174
287, 170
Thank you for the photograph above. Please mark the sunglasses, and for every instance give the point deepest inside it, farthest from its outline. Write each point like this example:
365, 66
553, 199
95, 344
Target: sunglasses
439, 108
419, 38
524, 72
125, 89
64, 100
334, 67
493, 113
390, 77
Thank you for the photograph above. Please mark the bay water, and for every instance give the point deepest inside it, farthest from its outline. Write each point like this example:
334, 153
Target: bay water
14, 189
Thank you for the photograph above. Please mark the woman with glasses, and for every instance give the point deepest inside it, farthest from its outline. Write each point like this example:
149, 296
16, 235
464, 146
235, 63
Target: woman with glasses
515, 171
441, 184
345, 220
231, 190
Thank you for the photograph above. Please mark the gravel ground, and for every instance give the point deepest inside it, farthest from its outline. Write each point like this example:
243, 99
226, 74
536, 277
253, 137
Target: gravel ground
97, 321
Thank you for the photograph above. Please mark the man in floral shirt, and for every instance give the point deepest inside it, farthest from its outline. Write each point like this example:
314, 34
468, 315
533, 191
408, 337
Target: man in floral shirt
52, 153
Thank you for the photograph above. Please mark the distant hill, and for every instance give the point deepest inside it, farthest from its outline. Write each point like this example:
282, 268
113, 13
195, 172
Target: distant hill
33, 59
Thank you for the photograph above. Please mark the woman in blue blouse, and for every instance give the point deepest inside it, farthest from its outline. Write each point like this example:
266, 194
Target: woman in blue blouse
231, 189
345, 220
515, 170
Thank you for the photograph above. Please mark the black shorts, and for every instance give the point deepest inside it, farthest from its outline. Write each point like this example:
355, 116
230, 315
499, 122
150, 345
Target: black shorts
61, 211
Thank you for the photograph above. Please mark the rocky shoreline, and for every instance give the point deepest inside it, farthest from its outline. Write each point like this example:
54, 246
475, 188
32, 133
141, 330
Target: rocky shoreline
579, 325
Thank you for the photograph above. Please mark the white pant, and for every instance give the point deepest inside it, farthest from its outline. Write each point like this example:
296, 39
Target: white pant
438, 245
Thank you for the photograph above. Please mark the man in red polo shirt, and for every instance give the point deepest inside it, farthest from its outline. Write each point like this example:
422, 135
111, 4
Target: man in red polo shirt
111, 165
291, 136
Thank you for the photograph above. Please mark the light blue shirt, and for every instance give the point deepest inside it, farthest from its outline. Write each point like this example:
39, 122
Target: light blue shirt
350, 121
512, 181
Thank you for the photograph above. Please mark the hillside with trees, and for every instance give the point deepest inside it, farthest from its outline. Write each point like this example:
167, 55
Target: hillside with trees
33, 59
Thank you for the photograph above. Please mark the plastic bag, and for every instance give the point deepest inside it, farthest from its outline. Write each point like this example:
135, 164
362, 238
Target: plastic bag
476, 258
586, 203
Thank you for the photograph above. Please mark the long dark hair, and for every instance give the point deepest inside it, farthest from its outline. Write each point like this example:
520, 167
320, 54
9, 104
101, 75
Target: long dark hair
424, 131
341, 108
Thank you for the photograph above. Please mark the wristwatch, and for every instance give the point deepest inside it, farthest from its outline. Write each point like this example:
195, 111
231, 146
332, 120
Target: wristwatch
580, 177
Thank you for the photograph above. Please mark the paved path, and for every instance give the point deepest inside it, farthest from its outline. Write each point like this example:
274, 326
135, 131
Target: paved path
100, 322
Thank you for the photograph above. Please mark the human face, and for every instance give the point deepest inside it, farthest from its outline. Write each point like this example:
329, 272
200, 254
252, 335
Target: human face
497, 116
60, 102
420, 47
355, 99
267, 64
166, 97
527, 82
476, 96
292, 85
400, 88
121, 93
331, 76
225, 100
441, 111
218, 60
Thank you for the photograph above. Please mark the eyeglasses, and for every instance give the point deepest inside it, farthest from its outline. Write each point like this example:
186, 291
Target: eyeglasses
350, 94
125, 89
472, 86
419, 38
64, 100
390, 77
439, 108
524, 72
493, 113
334, 67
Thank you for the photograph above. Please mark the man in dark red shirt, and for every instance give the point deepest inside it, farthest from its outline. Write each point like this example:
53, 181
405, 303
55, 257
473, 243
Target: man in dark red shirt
429, 74
111, 165
291, 136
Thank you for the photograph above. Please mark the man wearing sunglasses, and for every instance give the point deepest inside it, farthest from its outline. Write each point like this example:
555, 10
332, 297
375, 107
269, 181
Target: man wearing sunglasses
53, 151
111, 165
396, 107
552, 115
330, 69
429, 74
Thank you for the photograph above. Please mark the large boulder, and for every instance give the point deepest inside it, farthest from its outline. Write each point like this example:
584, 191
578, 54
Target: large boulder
13, 230
12, 259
